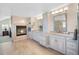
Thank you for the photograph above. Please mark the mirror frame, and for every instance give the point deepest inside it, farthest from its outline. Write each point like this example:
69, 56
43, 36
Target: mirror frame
65, 14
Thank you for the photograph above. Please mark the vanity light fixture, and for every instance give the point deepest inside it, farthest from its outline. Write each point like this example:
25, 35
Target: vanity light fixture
65, 8
57, 11
60, 10
53, 12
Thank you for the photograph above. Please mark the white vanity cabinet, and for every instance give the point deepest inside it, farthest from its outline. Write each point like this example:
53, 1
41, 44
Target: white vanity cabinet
52, 42
35, 36
61, 44
40, 38
29, 35
71, 46
57, 43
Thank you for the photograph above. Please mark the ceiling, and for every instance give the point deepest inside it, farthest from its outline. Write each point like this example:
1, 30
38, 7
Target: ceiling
25, 9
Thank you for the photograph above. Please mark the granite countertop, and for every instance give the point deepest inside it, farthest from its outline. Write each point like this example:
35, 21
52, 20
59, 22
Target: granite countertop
60, 34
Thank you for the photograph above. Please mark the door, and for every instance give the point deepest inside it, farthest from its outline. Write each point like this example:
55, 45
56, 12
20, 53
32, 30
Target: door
53, 42
61, 44
5, 30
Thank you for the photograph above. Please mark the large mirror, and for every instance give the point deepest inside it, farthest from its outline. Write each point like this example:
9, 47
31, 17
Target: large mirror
37, 24
60, 23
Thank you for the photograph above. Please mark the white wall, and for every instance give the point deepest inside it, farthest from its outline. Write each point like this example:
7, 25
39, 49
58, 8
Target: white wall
72, 18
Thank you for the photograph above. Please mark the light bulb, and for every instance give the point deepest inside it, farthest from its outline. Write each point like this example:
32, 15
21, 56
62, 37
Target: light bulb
56, 11
53, 12
65, 8
61, 10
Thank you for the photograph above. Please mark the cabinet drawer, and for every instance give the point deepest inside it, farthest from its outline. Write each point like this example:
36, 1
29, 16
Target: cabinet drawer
72, 49
71, 40
72, 45
71, 52
53, 44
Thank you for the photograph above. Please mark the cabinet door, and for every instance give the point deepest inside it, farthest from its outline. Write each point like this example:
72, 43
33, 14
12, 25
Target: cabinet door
61, 45
71, 46
53, 43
